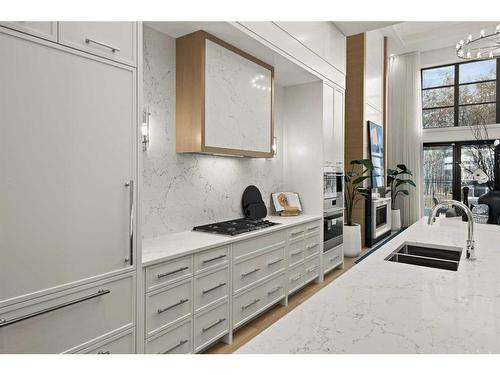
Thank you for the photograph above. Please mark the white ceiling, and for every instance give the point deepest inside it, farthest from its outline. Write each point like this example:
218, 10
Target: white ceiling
356, 27
425, 36
286, 72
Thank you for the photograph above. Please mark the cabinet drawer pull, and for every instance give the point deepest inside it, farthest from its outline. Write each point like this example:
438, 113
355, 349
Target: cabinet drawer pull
250, 272
160, 275
312, 246
130, 257
182, 301
244, 307
297, 277
113, 49
182, 342
212, 289
213, 259
274, 262
312, 227
334, 258
6, 322
272, 291
103, 352
296, 252
311, 269
296, 233
213, 325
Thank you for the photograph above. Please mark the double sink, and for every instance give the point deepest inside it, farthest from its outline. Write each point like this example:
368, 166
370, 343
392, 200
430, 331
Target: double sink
434, 256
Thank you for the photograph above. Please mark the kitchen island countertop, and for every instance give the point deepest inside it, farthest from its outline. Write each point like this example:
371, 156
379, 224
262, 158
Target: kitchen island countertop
387, 307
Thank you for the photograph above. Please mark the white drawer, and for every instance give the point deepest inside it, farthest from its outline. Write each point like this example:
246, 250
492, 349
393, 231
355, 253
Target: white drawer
210, 288
296, 278
257, 244
123, 343
168, 306
312, 227
332, 258
66, 320
254, 301
295, 233
40, 29
176, 340
311, 269
210, 326
250, 271
169, 272
113, 40
211, 259
312, 245
296, 252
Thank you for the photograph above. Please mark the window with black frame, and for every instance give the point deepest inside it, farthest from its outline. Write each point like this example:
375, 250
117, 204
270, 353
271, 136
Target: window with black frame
461, 94
448, 167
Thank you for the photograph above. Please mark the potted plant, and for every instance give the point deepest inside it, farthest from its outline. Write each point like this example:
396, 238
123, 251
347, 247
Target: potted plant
354, 192
398, 181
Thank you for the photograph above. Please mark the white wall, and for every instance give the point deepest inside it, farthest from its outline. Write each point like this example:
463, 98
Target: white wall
180, 191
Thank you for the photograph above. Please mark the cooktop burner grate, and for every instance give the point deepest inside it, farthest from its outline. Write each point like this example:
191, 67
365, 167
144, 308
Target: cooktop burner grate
234, 227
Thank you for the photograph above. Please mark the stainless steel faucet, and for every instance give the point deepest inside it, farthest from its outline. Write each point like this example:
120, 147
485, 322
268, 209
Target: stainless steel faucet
470, 250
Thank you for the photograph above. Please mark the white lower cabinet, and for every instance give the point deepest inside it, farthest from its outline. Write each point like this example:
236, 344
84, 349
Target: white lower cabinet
70, 319
210, 288
252, 302
175, 340
168, 306
333, 258
194, 301
122, 343
211, 325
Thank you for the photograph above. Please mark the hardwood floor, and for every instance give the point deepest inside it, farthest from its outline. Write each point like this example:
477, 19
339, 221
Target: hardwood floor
256, 326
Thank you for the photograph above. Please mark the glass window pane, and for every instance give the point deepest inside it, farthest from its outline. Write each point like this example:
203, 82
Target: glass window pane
478, 114
438, 175
476, 157
437, 118
437, 97
438, 76
478, 93
477, 71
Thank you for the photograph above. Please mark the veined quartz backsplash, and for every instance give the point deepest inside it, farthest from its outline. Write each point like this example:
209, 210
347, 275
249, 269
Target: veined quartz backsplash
183, 190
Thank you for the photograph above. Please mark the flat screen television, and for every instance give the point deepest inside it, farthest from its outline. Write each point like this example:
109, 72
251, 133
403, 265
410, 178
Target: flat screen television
376, 135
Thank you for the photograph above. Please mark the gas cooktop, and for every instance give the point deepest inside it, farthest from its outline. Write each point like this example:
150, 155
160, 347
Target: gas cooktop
235, 227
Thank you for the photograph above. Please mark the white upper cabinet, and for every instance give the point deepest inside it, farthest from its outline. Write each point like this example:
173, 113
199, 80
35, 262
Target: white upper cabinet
333, 127
112, 40
317, 46
67, 141
45, 30
323, 38
238, 101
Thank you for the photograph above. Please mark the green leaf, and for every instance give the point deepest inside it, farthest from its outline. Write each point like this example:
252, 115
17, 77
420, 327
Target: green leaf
360, 179
367, 163
391, 172
403, 191
405, 181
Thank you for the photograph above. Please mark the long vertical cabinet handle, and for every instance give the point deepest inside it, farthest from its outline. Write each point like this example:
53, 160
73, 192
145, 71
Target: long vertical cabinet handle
130, 258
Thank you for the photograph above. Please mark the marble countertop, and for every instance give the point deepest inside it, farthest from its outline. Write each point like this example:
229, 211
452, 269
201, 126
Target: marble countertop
160, 249
386, 307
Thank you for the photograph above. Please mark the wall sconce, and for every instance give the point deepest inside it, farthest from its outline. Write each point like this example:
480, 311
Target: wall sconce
274, 147
145, 130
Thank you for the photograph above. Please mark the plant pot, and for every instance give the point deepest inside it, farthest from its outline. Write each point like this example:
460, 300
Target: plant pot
352, 240
395, 219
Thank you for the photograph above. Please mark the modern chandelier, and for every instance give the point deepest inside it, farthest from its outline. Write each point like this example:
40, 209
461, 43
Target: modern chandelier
485, 46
